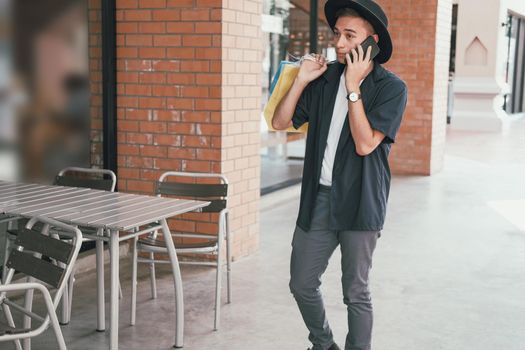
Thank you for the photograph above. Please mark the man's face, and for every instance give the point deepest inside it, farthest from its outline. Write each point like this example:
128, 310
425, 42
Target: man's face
350, 32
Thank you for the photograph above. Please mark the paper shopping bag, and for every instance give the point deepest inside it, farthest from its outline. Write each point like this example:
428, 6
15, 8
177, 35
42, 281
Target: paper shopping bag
280, 85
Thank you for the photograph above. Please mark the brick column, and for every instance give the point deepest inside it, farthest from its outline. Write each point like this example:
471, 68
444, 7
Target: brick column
241, 113
188, 98
421, 35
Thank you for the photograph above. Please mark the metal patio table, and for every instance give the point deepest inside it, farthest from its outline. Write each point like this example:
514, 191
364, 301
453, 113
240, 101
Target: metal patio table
110, 213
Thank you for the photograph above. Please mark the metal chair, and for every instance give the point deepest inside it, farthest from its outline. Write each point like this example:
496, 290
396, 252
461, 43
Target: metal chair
65, 178
41, 258
191, 243
84, 178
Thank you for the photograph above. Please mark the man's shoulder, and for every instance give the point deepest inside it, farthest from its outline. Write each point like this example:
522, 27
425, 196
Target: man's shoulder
388, 78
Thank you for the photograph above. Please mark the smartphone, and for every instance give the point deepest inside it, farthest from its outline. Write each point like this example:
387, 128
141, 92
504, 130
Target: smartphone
367, 43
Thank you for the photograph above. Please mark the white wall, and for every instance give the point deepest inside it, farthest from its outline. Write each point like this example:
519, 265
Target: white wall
480, 61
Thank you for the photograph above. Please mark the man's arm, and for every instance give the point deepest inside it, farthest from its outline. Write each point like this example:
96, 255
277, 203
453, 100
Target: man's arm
282, 117
310, 70
366, 138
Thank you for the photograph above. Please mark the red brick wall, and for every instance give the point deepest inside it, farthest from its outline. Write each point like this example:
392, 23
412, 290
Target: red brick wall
421, 35
188, 98
241, 113
168, 94
168, 87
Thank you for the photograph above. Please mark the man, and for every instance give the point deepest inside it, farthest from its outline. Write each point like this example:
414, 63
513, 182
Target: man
354, 109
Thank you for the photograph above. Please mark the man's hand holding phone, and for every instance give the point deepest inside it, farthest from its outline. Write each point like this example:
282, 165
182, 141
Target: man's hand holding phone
359, 63
312, 67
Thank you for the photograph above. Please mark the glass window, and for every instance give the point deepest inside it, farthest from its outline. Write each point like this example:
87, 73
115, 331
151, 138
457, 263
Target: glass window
514, 73
45, 119
286, 30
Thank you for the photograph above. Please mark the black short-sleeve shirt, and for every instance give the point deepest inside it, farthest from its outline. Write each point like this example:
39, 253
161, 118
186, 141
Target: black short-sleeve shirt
360, 184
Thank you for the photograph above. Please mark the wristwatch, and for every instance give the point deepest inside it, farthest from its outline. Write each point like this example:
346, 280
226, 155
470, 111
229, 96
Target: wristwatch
353, 96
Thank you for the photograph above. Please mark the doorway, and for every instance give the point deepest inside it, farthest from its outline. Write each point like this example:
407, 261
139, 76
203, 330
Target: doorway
515, 72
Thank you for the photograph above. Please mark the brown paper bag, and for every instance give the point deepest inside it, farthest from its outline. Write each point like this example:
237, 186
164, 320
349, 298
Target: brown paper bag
285, 77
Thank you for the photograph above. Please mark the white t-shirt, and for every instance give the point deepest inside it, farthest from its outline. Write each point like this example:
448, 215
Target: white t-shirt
336, 125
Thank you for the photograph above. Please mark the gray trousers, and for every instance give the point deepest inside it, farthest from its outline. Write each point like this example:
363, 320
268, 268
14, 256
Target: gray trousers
310, 254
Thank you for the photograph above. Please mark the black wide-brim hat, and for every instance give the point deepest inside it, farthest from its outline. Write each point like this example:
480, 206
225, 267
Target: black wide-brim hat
370, 11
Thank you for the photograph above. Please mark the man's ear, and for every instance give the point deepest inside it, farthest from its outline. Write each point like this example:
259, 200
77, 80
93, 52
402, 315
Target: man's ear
376, 37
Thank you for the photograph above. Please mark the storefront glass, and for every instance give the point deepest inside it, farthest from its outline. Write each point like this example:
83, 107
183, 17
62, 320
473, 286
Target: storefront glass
45, 120
286, 29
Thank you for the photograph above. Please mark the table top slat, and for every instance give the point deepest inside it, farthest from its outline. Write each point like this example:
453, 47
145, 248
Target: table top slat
19, 194
137, 206
146, 210
168, 212
5, 186
86, 207
27, 203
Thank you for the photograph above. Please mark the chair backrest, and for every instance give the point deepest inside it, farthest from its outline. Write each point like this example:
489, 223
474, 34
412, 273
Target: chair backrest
216, 193
66, 178
42, 257
30, 265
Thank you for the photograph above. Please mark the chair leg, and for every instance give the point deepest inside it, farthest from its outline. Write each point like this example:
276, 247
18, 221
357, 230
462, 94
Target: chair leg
8, 316
64, 303
6, 249
120, 296
53, 320
56, 329
6, 256
18, 345
152, 277
11, 323
218, 284
228, 260
70, 287
101, 316
217, 298
28, 305
134, 282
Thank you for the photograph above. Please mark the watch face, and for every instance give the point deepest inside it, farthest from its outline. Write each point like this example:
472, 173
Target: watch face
353, 97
